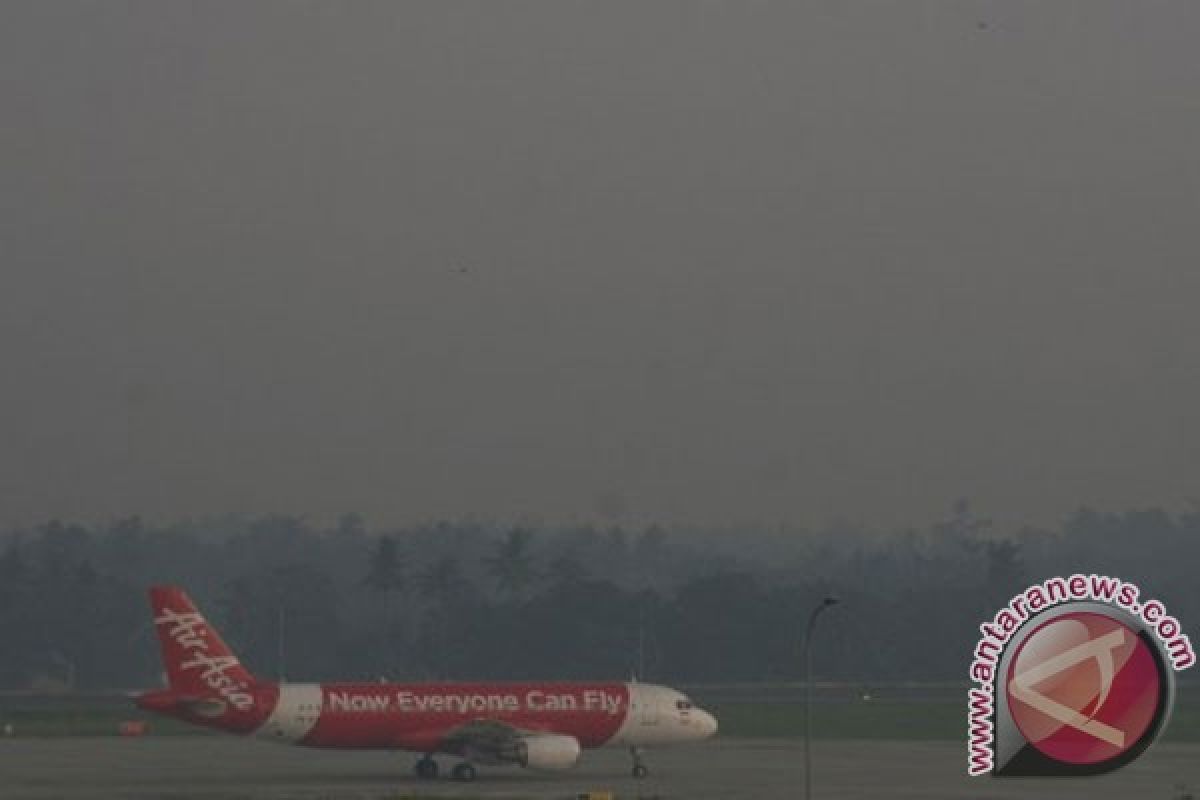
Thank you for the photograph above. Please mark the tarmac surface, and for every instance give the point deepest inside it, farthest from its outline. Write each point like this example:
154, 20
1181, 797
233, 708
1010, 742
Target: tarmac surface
225, 768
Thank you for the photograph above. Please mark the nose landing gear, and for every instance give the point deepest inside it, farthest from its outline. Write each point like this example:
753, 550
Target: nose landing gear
640, 770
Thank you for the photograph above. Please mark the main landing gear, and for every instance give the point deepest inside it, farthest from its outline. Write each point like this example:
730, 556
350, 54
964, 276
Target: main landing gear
464, 772
640, 770
426, 769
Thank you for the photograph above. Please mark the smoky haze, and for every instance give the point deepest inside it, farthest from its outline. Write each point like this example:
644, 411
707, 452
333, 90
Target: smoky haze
688, 262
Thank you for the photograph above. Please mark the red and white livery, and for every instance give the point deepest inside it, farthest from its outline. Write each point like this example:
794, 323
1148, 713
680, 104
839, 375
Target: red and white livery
535, 725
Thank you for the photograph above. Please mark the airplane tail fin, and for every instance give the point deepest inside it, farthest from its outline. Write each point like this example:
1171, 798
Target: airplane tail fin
196, 658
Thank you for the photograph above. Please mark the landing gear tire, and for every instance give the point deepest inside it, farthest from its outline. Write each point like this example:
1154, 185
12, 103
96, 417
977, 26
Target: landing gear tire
464, 772
426, 769
640, 770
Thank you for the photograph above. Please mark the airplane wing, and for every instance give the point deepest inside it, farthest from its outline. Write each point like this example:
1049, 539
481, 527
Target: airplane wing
483, 735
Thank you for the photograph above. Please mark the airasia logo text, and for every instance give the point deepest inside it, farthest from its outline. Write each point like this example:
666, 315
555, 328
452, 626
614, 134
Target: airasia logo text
189, 630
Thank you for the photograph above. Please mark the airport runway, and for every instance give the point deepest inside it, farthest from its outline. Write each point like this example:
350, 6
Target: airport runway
227, 768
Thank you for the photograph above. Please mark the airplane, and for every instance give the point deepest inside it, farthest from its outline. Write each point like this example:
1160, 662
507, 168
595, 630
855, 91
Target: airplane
542, 726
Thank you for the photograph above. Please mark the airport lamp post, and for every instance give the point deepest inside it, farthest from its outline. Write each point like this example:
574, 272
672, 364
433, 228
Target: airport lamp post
808, 634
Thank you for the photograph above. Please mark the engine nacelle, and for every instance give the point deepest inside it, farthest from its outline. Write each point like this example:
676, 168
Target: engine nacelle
546, 751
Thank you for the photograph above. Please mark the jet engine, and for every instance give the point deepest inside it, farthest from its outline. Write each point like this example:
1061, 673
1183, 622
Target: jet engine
545, 751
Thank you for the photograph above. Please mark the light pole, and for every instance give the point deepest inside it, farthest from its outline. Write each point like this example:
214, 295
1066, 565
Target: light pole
828, 601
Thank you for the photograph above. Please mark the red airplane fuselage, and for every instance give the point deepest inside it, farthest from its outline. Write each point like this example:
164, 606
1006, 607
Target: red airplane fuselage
540, 725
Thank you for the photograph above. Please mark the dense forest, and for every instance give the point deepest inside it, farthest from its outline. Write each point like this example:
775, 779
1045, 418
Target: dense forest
462, 600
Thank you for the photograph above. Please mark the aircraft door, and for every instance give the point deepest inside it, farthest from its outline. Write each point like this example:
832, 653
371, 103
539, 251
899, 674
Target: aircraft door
649, 714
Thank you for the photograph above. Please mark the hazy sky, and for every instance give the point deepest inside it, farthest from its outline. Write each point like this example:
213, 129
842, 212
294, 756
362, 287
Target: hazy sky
691, 262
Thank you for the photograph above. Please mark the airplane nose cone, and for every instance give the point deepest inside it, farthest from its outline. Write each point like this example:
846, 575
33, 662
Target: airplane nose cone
708, 724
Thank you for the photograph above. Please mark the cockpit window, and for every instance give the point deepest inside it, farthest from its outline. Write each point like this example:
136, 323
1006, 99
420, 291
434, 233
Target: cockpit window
683, 705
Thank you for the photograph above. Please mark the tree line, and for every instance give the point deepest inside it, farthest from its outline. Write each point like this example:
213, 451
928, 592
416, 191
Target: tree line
469, 600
